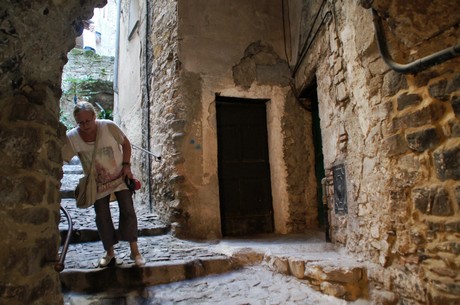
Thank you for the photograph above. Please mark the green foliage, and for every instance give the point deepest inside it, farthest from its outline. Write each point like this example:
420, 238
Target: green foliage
79, 86
105, 114
86, 88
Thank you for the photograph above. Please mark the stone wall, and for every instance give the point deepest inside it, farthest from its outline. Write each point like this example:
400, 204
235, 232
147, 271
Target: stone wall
224, 50
397, 136
180, 93
35, 39
89, 76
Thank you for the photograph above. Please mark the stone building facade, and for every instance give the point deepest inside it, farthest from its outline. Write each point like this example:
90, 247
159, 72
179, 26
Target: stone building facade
389, 134
390, 140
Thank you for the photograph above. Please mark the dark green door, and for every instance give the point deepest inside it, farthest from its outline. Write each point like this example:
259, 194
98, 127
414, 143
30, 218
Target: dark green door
312, 95
244, 171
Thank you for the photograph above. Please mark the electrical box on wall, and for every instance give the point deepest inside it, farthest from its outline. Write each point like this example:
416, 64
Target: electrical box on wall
340, 189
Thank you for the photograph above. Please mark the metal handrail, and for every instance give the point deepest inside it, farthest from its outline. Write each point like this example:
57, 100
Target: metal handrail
157, 158
59, 266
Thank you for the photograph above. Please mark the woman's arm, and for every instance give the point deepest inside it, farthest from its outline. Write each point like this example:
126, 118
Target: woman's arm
126, 149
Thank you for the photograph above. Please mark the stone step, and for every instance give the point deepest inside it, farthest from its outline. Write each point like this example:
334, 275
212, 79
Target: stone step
344, 280
72, 172
320, 265
68, 184
72, 169
130, 277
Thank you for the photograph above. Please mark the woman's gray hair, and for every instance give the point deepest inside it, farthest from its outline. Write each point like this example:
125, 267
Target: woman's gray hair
83, 106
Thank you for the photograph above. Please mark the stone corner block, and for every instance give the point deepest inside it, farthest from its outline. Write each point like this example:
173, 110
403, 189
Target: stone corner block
278, 264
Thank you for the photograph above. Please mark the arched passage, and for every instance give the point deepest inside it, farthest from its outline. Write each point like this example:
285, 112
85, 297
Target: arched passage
35, 38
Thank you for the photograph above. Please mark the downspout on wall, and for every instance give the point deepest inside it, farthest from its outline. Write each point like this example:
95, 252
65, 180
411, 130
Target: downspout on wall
147, 88
117, 49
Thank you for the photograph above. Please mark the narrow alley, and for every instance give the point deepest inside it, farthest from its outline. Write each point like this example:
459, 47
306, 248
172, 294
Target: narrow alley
299, 151
252, 270
230, 271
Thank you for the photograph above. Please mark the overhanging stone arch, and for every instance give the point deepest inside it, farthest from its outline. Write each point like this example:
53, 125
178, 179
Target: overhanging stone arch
35, 37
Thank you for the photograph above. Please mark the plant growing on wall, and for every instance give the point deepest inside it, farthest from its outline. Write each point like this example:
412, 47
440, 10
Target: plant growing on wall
79, 87
104, 114
87, 77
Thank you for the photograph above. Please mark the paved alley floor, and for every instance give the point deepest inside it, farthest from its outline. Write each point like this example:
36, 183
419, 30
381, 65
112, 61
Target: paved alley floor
252, 285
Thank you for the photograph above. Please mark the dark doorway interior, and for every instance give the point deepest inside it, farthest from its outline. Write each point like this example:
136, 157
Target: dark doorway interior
244, 171
310, 94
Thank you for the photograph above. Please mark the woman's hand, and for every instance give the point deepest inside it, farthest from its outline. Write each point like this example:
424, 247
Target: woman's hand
126, 171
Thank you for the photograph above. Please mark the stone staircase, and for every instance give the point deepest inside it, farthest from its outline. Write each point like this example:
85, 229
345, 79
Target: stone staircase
72, 173
307, 257
323, 266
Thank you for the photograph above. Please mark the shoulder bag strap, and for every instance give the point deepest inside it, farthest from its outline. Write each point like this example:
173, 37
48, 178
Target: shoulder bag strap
93, 156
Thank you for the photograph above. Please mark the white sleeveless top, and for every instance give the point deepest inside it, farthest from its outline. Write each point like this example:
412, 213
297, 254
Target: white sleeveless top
108, 159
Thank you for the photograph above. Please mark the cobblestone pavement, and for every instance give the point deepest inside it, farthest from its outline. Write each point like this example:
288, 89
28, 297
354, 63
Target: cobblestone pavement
84, 219
154, 248
249, 286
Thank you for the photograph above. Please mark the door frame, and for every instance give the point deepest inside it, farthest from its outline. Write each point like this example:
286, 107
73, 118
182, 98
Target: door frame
239, 100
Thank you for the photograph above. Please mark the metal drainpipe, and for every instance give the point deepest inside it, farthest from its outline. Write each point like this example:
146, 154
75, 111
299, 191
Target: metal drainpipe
117, 49
417, 65
147, 88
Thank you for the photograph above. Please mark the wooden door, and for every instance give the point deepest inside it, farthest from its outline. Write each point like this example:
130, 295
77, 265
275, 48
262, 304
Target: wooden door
244, 171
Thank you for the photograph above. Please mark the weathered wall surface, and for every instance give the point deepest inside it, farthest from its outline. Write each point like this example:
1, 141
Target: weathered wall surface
131, 98
35, 38
189, 60
235, 49
397, 136
166, 114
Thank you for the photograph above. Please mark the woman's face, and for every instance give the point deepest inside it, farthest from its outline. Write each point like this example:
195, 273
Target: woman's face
86, 121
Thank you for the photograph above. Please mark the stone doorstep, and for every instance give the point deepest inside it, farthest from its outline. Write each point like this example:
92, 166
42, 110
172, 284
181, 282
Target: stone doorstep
72, 170
346, 281
128, 277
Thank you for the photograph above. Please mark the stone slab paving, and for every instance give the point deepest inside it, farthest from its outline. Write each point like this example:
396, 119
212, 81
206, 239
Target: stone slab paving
253, 285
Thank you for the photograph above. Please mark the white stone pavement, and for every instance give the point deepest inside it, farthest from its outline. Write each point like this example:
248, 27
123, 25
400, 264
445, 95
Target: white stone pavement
253, 285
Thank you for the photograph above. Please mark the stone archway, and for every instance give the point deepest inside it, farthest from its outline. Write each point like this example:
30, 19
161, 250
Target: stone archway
35, 37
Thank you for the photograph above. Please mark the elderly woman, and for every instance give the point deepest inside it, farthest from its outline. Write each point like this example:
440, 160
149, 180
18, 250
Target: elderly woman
111, 166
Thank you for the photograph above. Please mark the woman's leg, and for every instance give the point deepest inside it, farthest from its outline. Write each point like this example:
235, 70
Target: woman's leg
128, 224
105, 225
128, 220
